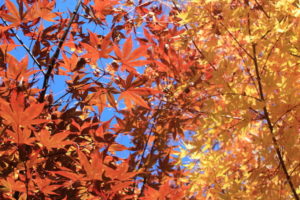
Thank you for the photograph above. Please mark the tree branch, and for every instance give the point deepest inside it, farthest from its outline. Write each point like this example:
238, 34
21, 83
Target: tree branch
270, 126
194, 43
26, 179
285, 113
24, 46
56, 54
140, 163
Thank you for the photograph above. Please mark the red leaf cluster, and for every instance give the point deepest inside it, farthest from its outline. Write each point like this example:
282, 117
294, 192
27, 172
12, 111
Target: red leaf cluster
58, 146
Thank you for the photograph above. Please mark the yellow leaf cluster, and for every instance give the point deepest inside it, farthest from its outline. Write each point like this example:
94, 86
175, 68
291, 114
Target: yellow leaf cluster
251, 100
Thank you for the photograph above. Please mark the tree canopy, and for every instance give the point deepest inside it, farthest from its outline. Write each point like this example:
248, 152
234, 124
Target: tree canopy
149, 100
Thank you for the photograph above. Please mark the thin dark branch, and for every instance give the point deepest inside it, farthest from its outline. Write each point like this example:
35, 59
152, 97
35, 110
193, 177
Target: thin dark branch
248, 71
81, 86
24, 46
26, 179
271, 127
140, 163
146, 178
285, 113
195, 45
244, 95
270, 52
297, 56
238, 43
265, 35
56, 53
151, 128
262, 9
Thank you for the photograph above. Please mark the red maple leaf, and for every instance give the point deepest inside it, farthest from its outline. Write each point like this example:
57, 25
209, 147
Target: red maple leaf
15, 113
135, 95
53, 141
128, 58
93, 169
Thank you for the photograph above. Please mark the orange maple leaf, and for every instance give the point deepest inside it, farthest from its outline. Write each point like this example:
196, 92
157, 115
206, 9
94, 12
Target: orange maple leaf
128, 58
134, 95
121, 172
65, 172
92, 49
17, 115
46, 185
11, 185
42, 9
94, 169
53, 141
18, 70
13, 15
101, 8
21, 136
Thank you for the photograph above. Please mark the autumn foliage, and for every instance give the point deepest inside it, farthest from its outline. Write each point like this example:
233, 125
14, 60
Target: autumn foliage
158, 99
246, 139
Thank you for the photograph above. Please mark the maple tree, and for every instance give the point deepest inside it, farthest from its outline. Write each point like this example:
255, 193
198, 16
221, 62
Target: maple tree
246, 113
57, 146
219, 76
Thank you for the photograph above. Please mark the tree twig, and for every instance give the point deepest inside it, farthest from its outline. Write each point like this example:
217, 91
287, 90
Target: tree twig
139, 164
195, 45
26, 179
285, 113
24, 46
56, 54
